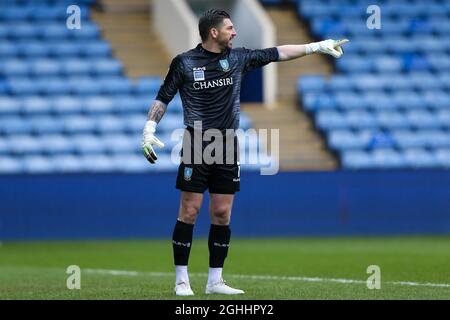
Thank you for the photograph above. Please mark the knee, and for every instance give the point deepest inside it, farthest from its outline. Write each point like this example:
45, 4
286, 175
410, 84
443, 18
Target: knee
221, 214
189, 211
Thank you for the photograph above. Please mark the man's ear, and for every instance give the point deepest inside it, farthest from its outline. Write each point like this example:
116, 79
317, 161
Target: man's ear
214, 33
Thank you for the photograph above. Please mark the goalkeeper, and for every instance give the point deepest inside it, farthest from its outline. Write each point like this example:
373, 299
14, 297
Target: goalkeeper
209, 79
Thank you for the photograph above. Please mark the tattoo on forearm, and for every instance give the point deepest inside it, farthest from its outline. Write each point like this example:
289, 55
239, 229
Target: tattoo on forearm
157, 111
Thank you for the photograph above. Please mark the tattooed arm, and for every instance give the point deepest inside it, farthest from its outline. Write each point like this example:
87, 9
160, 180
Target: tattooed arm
157, 111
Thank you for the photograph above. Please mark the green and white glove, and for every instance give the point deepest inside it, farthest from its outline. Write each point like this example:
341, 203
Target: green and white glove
330, 46
148, 140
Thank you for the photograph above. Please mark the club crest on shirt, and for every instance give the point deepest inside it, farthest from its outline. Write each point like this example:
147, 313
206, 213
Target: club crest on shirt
224, 64
187, 173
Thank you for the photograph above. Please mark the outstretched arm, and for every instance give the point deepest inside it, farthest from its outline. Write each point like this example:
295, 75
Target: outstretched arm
292, 51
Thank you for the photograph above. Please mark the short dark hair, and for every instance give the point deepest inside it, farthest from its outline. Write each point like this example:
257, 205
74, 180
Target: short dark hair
211, 19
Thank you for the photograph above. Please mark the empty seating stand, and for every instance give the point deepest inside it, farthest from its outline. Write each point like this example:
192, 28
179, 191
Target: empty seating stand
65, 102
388, 104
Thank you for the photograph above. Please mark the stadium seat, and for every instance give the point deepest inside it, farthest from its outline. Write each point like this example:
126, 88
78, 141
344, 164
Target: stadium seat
443, 157
88, 144
56, 144
118, 143
9, 105
97, 163
356, 160
45, 124
420, 158
388, 158
35, 105
37, 164
66, 163
78, 124
12, 125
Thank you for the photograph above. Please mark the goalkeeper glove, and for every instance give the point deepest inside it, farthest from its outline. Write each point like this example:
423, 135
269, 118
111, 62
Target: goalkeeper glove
148, 140
331, 47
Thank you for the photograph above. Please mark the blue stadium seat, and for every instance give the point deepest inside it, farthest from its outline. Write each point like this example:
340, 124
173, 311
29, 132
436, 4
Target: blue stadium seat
340, 82
388, 159
356, 160
388, 64
66, 163
148, 85
78, 124
443, 118
408, 100
122, 144
354, 64
33, 49
8, 50
437, 99
88, 31
420, 158
346, 100
23, 31
313, 101
23, 87
378, 100
83, 86
54, 32
37, 164
130, 104
422, 119
76, 67
36, 105
131, 163
9, 165
98, 163
135, 123
14, 67
52, 86
360, 119
24, 144
65, 49
11, 125
409, 139
67, 104
116, 85
330, 120
443, 157
56, 144
170, 122
311, 83
436, 138
96, 49
88, 144
345, 139
110, 124
45, 124
45, 67
107, 67
98, 104
9, 106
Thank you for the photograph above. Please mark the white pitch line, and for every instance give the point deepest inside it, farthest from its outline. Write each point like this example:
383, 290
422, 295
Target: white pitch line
263, 277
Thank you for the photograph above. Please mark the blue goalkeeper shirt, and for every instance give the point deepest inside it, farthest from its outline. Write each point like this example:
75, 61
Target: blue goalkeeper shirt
210, 83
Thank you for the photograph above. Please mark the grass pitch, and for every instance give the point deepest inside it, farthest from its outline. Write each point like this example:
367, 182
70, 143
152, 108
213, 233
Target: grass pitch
266, 268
